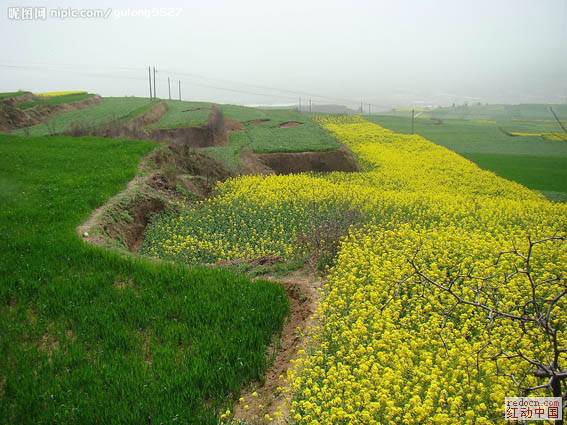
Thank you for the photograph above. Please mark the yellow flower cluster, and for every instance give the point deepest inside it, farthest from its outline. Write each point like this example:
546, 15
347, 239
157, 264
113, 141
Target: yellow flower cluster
59, 93
555, 137
389, 349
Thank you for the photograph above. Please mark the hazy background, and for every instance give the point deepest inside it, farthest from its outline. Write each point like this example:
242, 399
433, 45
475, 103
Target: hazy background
388, 53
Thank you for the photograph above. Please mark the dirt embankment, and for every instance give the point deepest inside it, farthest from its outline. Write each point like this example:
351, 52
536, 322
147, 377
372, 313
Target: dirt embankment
265, 398
213, 133
167, 176
12, 117
299, 162
290, 124
133, 128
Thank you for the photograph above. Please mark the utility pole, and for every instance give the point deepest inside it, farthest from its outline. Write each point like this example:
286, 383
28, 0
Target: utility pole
369, 112
150, 80
179, 89
168, 88
299, 107
361, 110
310, 105
155, 95
412, 119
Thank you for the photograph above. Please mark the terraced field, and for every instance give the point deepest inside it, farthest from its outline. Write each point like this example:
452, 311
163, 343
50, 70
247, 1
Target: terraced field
261, 130
56, 99
184, 114
110, 109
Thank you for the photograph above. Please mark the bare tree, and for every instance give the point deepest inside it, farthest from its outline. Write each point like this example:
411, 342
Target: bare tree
538, 312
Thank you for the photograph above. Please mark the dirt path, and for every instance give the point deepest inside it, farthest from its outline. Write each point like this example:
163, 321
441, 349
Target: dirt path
261, 399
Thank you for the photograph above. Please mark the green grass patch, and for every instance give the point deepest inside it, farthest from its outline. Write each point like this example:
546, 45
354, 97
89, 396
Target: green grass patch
184, 114
536, 172
91, 336
308, 136
108, 110
230, 154
55, 100
243, 113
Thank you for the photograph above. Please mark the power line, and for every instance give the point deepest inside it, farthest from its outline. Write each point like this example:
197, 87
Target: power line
205, 85
108, 75
264, 87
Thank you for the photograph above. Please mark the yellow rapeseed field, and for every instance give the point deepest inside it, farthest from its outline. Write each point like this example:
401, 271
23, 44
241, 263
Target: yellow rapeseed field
59, 93
555, 137
387, 348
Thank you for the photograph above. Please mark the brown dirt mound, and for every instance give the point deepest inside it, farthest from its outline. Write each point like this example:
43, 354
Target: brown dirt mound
300, 162
214, 133
122, 221
197, 137
132, 129
257, 121
250, 164
290, 124
187, 160
12, 118
20, 99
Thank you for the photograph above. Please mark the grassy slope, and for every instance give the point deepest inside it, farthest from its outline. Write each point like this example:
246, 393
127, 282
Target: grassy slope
88, 336
110, 109
531, 161
55, 100
184, 114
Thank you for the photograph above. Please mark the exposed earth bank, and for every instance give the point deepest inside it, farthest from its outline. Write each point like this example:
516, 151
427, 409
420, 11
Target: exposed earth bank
12, 117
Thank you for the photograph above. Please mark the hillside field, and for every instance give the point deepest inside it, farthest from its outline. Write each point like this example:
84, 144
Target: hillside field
186, 324
110, 109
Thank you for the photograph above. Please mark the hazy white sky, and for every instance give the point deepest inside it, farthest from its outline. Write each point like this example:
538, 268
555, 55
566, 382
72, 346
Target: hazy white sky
395, 52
